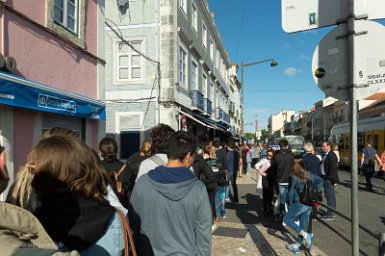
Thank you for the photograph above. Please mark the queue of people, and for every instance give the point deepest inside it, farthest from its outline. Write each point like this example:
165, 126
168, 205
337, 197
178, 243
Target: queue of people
92, 203
175, 185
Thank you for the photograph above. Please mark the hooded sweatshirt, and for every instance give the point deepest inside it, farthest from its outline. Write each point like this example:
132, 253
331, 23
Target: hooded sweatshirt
170, 213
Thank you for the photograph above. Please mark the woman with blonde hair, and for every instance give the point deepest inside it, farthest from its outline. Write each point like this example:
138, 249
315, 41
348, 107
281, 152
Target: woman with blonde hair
71, 186
297, 210
21, 193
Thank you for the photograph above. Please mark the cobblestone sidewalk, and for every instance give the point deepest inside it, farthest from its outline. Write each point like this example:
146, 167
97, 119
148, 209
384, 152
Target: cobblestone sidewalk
252, 239
238, 239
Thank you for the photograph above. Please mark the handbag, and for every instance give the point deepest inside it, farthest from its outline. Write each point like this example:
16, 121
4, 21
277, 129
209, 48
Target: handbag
127, 235
119, 184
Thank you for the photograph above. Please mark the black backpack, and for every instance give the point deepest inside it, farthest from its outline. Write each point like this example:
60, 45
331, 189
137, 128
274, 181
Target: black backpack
309, 195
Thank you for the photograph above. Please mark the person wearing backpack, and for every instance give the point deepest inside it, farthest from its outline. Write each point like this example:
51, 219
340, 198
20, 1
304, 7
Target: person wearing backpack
298, 210
134, 162
115, 168
368, 162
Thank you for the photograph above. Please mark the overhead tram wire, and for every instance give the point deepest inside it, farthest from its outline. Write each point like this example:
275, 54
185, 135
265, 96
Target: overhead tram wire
240, 31
278, 90
157, 63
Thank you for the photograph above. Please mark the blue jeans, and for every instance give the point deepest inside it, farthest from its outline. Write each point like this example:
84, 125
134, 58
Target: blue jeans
283, 189
330, 196
230, 176
318, 182
220, 202
111, 243
299, 212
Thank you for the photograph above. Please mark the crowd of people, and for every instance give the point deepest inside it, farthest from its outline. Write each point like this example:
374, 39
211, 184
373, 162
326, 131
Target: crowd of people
171, 193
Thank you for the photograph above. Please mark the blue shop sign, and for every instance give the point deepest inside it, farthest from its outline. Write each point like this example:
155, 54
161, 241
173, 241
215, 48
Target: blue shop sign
19, 92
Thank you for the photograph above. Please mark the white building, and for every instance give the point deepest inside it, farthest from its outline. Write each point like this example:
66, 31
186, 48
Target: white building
277, 121
180, 74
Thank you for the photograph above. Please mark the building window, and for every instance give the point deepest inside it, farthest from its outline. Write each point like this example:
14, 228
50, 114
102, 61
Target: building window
66, 14
212, 92
129, 61
182, 66
66, 18
204, 35
204, 85
211, 50
194, 17
194, 76
217, 59
183, 5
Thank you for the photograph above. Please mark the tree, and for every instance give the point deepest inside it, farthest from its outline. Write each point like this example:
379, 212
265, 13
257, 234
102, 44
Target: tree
265, 135
250, 136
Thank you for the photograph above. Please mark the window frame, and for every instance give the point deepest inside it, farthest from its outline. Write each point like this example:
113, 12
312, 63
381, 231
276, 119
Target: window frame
204, 35
184, 72
64, 23
194, 17
194, 76
183, 6
212, 47
129, 64
205, 82
77, 38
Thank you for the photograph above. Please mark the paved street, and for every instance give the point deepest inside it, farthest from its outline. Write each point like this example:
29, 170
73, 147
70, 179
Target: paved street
247, 232
334, 237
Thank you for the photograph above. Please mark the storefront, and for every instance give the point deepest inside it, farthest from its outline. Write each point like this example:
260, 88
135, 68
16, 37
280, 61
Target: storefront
28, 109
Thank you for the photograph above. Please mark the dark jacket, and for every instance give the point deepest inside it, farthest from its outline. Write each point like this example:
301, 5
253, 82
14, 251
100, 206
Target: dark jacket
132, 165
204, 172
124, 177
282, 165
232, 163
331, 167
74, 221
312, 164
221, 157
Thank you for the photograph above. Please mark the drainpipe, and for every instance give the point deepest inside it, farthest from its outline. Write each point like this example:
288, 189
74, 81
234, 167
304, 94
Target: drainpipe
2, 27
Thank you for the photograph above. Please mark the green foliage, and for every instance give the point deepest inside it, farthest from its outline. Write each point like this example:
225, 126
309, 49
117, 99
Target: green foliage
250, 136
265, 134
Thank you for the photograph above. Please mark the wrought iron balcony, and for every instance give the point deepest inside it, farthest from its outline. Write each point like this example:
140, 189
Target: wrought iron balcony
207, 106
197, 99
222, 115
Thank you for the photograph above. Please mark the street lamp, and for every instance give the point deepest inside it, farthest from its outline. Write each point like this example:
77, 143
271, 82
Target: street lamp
273, 63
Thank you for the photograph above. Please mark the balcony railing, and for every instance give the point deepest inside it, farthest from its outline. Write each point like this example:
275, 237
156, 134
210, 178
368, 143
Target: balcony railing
207, 106
222, 115
197, 99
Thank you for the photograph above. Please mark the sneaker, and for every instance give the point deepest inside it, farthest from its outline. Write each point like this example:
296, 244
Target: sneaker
213, 227
327, 218
309, 240
293, 248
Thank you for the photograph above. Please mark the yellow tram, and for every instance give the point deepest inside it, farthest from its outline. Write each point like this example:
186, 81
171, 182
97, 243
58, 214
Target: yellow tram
368, 129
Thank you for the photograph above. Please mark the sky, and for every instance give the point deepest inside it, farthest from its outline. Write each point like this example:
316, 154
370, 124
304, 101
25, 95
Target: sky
252, 31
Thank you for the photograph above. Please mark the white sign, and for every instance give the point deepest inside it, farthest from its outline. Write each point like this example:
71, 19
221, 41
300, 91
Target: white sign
300, 15
330, 61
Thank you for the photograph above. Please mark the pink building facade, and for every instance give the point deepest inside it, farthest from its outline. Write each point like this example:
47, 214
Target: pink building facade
52, 72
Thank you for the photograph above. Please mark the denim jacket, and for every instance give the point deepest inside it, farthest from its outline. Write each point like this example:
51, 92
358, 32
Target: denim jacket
295, 188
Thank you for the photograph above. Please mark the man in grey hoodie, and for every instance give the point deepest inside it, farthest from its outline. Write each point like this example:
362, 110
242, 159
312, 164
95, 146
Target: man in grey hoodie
169, 210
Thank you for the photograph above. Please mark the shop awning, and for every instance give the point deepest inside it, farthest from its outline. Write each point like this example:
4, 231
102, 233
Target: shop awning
210, 122
20, 92
195, 119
